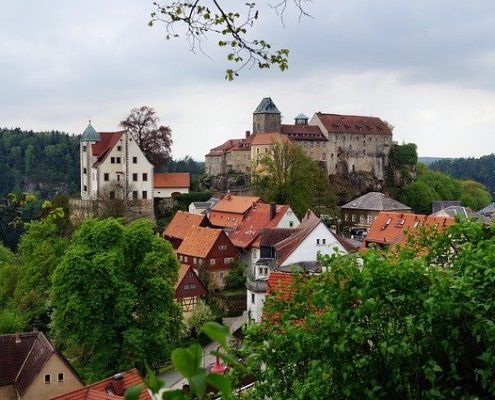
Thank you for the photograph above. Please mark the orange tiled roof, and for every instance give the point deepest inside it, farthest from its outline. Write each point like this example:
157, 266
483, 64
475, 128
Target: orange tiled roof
102, 390
104, 145
280, 283
353, 124
390, 228
182, 223
222, 149
256, 219
171, 179
267, 138
199, 241
235, 204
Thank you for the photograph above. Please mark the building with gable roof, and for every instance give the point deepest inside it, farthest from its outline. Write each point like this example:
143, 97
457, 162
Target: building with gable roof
181, 224
188, 289
112, 388
231, 210
285, 249
343, 143
210, 249
31, 368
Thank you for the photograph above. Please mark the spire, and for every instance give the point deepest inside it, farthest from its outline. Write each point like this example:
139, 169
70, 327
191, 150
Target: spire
90, 135
267, 106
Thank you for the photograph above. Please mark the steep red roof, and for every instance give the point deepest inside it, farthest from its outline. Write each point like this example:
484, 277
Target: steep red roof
182, 223
230, 211
256, 219
303, 132
107, 141
353, 124
107, 389
267, 138
219, 150
280, 283
287, 246
391, 228
199, 241
171, 180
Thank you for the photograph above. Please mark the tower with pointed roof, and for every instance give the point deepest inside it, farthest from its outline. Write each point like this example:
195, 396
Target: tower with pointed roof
266, 117
89, 137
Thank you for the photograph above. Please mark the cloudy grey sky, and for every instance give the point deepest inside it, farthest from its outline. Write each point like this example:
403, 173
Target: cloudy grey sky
426, 66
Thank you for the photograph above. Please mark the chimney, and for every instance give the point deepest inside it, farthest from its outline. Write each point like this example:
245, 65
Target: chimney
273, 210
248, 133
118, 384
386, 194
17, 338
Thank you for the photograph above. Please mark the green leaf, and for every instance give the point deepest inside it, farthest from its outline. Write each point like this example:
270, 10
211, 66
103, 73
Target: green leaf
183, 361
221, 382
152, 381
133, 392
217, 332
173, 395
198, 383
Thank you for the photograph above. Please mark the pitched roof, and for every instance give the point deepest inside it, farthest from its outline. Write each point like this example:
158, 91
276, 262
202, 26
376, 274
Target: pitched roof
183, 270
391, 228
287, 246
298, 132
22, 356
336, 123
256, 219
266, 106
350, 245
441, 204
219, 150
107, 141
235, 204
268, 138
488, 210
271, 236
280, 283
171, 179
199, 241
89, 134
182, 223
107, 389
457, 211
375, 201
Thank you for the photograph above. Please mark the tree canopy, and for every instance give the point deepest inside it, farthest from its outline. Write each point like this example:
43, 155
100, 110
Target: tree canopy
286, 175
113, 295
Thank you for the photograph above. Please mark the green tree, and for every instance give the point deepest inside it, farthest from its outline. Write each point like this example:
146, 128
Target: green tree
475, 195
288, 176
398, 325
113, 294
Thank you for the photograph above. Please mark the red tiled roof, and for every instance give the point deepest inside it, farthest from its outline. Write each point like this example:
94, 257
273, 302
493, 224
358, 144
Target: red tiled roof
287, 246
219, 150
235, 204
106, 143
256, 219
171, 180
267, 138
303, 132
102, 390
353, 124
280, 283
182, 223
199, 241
389, 228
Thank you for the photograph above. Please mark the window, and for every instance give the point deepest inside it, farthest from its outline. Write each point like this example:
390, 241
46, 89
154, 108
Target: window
134, 177
84, 149
212, 261
118, 160
221, 275
317, 242
135, 194
145, 177
353, 218
145, 194
324, 241
112, 195
185, 259
118, 177
85, 171
119, 148
291, 224
361, 219
85, 188
346, 217
112, 160
134, 160
189, 274
252, 298
228, 260
222, 247
106, 177
190, 286
60, 376
370, 219
48, 378
201, 261
181, 258
195, 260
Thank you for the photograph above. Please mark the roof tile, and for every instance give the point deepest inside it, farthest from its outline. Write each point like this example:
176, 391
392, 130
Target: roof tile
171, 180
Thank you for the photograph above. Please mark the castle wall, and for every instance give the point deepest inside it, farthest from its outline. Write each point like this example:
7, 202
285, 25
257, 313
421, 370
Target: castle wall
266, 123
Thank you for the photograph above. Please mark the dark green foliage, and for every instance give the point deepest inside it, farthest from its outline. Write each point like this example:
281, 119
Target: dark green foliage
43, 162
236, 279
183, 200
113, 294
405, 155
479, 169
398, 327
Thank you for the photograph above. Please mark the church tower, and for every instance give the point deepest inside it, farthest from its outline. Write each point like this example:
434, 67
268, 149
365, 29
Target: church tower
266, 117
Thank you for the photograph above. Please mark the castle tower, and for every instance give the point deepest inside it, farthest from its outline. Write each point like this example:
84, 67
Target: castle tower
88, 138
266, 117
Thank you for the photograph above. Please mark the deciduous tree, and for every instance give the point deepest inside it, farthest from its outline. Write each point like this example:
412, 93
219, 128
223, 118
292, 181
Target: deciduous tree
113, 294
155, 141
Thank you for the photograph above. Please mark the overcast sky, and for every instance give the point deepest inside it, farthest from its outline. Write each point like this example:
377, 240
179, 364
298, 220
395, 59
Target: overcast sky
425, 66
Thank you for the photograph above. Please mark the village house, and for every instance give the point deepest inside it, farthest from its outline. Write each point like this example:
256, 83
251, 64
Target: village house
170, 184
181, 224
210, 249
391, 229
285, 249
112, 388
230, 210
188, 289
457, 211
343, 143
32, 369
358, 215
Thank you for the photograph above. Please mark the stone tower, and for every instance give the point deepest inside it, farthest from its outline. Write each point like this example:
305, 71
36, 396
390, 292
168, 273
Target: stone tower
266, 117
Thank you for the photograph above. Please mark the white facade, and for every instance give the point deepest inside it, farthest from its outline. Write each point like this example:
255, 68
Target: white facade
320, 241
124, 163
255, 303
